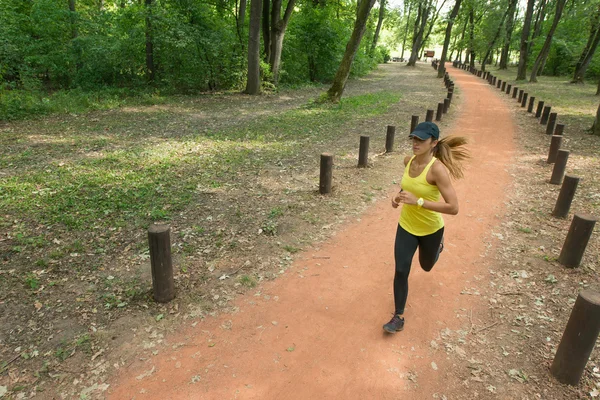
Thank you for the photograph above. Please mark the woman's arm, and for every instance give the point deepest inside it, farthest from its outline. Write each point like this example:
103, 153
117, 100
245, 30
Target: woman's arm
442, 181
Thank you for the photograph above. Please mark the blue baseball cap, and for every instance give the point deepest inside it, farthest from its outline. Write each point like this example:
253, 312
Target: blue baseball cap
426, 130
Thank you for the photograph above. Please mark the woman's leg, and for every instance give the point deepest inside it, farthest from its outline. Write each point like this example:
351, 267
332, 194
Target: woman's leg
404, 250
429, 249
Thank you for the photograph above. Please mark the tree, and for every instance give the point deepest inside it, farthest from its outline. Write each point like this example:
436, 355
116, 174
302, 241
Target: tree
471, 49
512, 6
420, 24
149, 42
407, 25
589, 49
379, 23
278, 27
522, 71
336, 90
541, 58
453, 15
431, 25
492, 45
596, 126
540, 16
253, 83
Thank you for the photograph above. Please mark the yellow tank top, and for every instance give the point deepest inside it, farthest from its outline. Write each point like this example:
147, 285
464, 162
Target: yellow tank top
415, 220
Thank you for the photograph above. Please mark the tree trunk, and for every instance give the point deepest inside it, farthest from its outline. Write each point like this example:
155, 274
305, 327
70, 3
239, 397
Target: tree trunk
278, 27
539, 22
336, 90
266, 28
596, 126
73, 19
491, 46
462, 37
406, 29
598, 90
541, 58
253, 83
472, 38
416, 32
431, 25
420, 29
589, 49
453, 14
241, 18
522, 71
379, 23
149, 42
512, 6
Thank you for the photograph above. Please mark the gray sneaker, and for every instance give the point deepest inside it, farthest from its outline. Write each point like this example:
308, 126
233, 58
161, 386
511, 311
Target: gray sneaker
396, 324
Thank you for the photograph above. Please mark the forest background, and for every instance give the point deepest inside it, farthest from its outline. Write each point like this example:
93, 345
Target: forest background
72, 55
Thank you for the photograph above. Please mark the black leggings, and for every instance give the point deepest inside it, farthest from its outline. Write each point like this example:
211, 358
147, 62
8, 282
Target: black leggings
404, 250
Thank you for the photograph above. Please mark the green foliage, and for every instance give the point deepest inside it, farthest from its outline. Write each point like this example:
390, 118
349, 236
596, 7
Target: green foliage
53, 60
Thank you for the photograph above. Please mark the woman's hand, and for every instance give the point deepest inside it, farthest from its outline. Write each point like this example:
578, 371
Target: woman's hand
406, 198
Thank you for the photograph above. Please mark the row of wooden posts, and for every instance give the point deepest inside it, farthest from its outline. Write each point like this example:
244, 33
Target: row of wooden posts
159, 235
326, 170
583, 327
584, 323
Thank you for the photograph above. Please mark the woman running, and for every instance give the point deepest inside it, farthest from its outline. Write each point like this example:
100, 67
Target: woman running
426, 176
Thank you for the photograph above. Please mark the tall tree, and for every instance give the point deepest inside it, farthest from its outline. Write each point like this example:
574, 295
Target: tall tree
512, 6
461, 42
419, 30
451, 18
149, 41
431, 25
253, 83
540, 16
589, 49
541, 58
241, 19
471, 49
266, 28
407, 25
379, 23
522, 71
278, 27
336, 90
596, 126
492, 45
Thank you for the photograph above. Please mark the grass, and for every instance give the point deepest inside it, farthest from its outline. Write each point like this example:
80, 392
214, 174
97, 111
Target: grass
576, 104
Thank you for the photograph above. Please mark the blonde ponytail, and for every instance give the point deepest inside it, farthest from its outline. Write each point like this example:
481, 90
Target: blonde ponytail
451, 152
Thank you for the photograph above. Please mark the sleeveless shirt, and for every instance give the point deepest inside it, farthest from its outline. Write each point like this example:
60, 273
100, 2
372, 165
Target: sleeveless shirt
415, 220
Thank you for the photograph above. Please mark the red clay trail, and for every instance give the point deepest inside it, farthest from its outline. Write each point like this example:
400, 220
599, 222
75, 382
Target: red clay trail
315, 332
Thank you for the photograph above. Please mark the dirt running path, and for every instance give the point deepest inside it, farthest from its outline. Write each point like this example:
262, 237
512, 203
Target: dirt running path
316, 331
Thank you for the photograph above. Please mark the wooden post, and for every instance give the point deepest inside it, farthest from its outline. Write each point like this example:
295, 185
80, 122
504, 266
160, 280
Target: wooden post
555, 144
326, 173
363, 152
530, 107
560, 128
551, 123
565, 197
503, 86
446, 105
440, 111
545, 115
515, 91
389, 138
578, 339
499, 83
521, 91
577, 239
540, 106
449, 96
508, 89
429, 116
524, 99
159, 242
414, 121
559, 167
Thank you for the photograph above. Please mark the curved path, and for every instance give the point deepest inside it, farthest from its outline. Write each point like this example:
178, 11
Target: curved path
316, 331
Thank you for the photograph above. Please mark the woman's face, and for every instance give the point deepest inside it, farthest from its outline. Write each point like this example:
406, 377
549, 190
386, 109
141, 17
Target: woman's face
422, 146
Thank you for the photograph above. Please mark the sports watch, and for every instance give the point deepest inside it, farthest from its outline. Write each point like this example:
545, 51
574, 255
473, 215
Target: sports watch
420, 202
